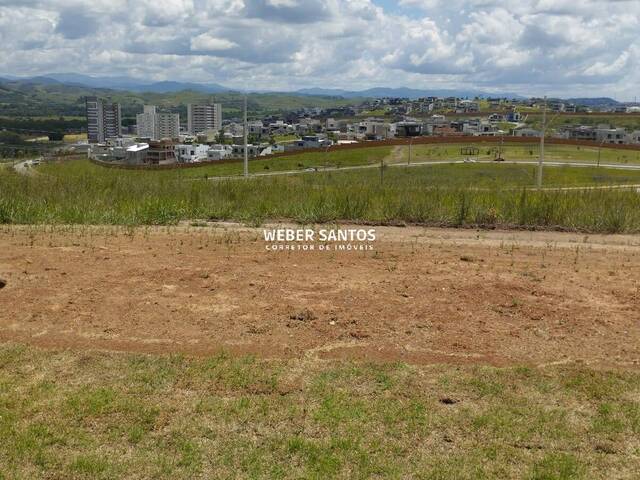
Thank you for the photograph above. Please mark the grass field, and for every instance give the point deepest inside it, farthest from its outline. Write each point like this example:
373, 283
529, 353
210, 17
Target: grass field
82, 193
302, 161
478, 175
503, 175
557, 153
390, 155
108, 415
630, 122
71, 138
285, 138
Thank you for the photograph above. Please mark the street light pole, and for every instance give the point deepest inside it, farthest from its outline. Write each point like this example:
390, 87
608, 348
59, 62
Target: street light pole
246, 147
542, 134
600, 150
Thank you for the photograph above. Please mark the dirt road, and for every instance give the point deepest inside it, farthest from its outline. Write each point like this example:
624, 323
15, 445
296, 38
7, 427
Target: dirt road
420, 296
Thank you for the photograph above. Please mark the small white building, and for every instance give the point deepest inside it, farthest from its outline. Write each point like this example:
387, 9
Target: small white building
526, 132
634, 137
191, 153
332, 124
252, 151
219, 152
137, 154
615, 136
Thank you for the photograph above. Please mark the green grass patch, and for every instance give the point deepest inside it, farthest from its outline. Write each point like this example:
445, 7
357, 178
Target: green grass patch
285, 138
521, 152
110, 415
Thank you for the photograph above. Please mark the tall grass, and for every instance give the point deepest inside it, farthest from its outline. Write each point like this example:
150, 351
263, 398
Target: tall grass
116, 197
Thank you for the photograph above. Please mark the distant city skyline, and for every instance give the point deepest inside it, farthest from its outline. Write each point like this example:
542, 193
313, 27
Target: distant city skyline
563, 48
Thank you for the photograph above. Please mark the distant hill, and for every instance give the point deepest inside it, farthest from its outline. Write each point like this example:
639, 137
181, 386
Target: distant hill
132, 84
45, 96
63, 94
165, 87
136, 85
327, 92
403, 92
594, 102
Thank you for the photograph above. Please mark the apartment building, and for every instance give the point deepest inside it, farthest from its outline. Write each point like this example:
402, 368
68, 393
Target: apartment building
146, 122
157, 125
104, 119
204, 118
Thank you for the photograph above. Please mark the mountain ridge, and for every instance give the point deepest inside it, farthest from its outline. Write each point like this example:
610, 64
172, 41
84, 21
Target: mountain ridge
168, 86
405, 92
128, 84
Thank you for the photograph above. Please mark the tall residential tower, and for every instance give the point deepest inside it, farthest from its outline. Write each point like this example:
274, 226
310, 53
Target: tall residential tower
204, 118
103, 119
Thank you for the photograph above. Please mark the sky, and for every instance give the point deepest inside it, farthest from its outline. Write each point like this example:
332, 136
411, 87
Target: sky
568, 48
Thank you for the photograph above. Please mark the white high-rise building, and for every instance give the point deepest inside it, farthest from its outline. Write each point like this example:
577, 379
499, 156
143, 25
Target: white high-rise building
146, 122
204, 118
157, 126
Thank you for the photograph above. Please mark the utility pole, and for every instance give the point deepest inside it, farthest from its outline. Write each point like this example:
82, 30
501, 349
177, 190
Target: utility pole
410, 145
542, 134
246, 147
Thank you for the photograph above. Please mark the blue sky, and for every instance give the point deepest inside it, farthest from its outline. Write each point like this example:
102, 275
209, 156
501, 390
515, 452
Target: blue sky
557, 47
394, 7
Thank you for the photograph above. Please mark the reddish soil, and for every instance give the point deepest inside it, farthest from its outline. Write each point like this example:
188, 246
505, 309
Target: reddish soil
421, 296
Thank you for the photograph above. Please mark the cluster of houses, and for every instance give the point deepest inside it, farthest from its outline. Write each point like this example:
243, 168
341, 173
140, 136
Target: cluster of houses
159, 138
455, 105
604, 134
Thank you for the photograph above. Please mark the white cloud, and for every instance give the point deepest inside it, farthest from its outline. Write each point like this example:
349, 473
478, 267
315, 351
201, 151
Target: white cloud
207, 42
605, 69
564, 47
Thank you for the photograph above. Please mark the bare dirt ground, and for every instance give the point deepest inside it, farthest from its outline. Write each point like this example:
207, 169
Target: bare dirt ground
422, 295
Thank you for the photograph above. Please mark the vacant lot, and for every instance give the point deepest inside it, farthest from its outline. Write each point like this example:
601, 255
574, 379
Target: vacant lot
441, 354
421, 296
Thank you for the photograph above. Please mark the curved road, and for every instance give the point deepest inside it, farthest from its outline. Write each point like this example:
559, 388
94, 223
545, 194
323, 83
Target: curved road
26, 167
